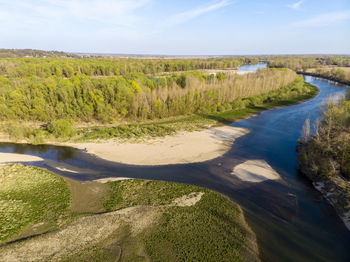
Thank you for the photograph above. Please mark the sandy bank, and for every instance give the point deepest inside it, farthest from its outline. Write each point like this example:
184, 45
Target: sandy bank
255, 171
188, 200
185, 147
7, 158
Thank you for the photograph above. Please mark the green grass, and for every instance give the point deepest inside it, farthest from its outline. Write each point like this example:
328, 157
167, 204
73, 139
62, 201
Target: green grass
211, 230
30, 195
144, 192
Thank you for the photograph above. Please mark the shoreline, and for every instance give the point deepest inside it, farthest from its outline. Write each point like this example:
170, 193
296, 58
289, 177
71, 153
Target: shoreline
323, 77
181, 148
328, 189
11, 158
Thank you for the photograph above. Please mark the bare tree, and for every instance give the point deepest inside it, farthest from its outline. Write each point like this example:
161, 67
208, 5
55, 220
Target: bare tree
306, 133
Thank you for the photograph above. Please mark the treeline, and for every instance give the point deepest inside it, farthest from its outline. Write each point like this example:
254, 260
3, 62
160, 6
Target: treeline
302, 63
326, 67
13, 53
335, 74
327, 152
69, 67
134, 96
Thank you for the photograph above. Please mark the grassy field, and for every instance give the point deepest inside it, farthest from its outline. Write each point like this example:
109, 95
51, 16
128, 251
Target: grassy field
143, 221
29, 195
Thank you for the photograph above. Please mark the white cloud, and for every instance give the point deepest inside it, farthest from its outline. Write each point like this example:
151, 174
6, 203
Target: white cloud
183, 17
296, 5
324, 19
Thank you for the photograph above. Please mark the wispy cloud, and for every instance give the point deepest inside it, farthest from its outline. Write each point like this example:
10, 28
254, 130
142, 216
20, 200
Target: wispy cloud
186, 16
324, 19
296, 5
111, 12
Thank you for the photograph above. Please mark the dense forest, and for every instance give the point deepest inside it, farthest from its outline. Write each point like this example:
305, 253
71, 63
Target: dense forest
84, 98
59, 67
107, 90
59, 94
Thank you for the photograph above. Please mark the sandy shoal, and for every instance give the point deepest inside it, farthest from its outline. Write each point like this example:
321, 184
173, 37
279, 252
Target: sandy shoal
185, 147
6, 158
255, 171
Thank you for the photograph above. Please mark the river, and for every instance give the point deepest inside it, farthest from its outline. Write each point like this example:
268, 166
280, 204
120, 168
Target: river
292, 221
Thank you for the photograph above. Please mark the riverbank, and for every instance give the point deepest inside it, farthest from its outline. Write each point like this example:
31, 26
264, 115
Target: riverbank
325, 75
181, 148
324, 157
115, 221
186, 139
334, 189
8, 158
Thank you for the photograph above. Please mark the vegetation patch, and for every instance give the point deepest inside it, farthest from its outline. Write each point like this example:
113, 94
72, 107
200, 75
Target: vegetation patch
212, 229
135, 192
146, 221
29, 195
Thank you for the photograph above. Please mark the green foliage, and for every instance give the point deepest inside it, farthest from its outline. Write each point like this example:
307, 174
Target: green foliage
85, 90
225, 113
206, 116
61, 128
58, 67
127, 131
220, 76
30, 195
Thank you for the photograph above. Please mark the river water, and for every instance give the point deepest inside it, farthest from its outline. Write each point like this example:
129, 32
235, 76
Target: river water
292, 221
252, 68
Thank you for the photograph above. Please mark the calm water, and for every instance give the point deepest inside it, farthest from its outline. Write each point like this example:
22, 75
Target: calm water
291, 220
252, 67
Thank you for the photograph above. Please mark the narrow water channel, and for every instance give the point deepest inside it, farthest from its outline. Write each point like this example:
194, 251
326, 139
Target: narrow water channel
290, 218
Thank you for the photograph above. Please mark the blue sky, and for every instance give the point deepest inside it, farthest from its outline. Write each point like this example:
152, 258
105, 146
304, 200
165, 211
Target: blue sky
192, 27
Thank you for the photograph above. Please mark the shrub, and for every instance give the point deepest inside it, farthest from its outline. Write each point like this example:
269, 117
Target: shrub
16, 131
61, 128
